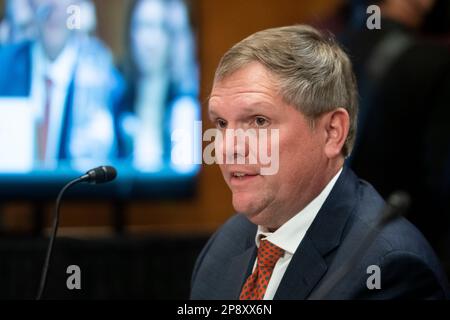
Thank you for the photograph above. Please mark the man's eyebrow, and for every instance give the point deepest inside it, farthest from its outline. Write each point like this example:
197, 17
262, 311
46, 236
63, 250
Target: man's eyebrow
256, 107
211, 113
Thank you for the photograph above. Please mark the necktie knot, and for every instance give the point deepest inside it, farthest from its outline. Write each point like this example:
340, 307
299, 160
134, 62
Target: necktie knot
268, 254
256, 285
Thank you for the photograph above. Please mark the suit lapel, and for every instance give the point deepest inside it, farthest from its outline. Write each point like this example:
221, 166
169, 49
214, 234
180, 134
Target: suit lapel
303, 273
309, 263
235, 276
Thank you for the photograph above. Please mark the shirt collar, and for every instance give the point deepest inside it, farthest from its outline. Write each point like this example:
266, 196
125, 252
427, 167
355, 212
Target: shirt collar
289, 236
60, 70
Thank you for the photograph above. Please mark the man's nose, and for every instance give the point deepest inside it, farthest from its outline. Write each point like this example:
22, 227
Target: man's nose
236, 147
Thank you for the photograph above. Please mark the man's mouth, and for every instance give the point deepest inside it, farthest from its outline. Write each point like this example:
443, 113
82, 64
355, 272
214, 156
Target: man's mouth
238, 177
240, 174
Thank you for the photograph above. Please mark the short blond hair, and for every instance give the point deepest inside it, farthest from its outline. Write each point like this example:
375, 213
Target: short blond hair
314, 73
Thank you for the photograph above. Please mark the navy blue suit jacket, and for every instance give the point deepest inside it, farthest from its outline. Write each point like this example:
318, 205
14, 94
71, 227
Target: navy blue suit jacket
408, 265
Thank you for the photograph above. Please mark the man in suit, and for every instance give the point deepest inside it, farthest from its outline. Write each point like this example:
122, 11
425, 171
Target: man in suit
71, 84
297, 227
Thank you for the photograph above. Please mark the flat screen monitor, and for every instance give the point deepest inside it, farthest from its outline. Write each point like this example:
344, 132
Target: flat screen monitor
68, 103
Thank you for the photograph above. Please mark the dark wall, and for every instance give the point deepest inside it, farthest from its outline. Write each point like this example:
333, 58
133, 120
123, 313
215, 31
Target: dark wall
118, 268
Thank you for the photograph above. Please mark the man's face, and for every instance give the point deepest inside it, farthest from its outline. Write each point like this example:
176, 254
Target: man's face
248, 98
51, 19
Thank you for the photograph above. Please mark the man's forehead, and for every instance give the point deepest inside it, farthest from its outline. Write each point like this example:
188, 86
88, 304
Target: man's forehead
246, 98
214, 109
241, 90
250, 87
244, 94
253, 77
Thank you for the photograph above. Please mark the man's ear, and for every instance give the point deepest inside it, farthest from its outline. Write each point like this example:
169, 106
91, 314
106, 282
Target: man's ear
336, 124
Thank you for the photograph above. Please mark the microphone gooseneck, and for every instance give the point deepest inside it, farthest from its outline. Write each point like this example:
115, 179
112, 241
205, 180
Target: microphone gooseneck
52, 237
97, 175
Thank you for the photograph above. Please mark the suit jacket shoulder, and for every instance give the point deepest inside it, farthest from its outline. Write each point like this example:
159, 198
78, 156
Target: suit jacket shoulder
409, 267
229, 243
15, 63
406, 264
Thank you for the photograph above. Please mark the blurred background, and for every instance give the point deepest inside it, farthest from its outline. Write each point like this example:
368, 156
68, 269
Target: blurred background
84, 83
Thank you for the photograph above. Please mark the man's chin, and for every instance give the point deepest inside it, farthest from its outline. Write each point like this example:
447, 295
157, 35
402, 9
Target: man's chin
251, 210
245, 203
261, 219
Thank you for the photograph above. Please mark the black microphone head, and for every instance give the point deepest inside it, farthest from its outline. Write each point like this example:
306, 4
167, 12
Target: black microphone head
399, 199
100, 174
397, 204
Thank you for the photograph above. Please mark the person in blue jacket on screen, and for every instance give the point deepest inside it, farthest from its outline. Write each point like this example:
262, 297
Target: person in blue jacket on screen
69, 79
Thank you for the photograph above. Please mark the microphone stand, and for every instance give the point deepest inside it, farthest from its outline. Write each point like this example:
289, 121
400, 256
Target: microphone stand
97, 175
48, 256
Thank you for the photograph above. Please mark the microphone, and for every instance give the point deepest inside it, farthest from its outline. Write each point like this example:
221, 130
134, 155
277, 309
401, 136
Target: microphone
100, 174
397, 204
97, 175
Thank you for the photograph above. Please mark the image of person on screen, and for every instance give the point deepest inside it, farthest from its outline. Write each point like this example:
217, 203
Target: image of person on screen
297, 227
162, 86
69, 79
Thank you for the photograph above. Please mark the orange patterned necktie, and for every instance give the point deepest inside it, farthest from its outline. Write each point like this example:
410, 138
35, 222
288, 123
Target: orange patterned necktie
256, 285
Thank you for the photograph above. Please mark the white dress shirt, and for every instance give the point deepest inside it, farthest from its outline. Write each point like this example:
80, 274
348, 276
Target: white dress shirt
60, 72
289, 236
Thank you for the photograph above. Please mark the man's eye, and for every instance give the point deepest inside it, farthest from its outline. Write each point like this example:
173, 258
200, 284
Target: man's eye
221, 124
261, 121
